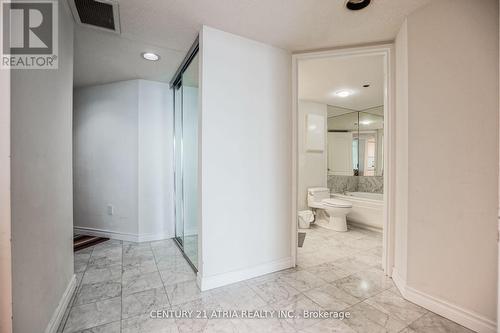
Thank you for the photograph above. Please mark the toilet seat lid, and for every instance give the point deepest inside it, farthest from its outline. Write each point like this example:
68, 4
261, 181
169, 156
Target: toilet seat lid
336, 203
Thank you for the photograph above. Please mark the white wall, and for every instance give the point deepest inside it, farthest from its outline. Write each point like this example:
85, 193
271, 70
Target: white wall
105, 134
123, 158
5, 228
246, 158
42, 196
313, 171
452, 109
401, 155
156, 174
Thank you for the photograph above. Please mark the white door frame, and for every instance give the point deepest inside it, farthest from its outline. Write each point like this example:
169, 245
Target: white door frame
386, 50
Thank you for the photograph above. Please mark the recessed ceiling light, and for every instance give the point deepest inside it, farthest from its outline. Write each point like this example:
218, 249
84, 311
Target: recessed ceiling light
150, 56
365, 122
343, 93
357, 4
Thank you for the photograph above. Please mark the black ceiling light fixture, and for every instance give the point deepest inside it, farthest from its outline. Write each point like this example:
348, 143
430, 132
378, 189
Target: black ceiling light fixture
357, 4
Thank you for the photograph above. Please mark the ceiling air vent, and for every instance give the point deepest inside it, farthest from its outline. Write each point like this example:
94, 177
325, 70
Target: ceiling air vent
100, 14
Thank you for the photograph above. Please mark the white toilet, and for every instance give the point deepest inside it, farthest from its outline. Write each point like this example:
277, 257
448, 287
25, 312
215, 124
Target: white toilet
337, 210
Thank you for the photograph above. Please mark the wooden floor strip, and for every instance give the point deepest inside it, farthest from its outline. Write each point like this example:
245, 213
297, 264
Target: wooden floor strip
81, 242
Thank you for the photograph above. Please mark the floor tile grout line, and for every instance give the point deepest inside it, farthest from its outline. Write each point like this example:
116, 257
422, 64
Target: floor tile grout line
363, 301
256, 293
76, 291
161, 278
121, 276
250, 286
228, 299
426, 312
81, 284
368, 251
367, 298
360, 300
354, 273
69, 307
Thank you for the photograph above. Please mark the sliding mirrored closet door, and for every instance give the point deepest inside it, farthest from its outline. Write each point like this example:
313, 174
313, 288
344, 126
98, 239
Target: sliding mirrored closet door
179, 229
186, 115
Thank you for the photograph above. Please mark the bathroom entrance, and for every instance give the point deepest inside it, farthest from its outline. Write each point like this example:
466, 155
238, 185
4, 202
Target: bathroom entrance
185, 87
342, 117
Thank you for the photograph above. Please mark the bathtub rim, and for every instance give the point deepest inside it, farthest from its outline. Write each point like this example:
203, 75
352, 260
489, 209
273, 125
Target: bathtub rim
359, 199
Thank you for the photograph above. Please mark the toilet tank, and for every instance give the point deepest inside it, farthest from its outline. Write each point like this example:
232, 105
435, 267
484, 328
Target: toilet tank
316, 194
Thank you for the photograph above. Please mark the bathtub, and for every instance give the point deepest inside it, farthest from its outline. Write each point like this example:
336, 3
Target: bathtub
367, 208
366, 195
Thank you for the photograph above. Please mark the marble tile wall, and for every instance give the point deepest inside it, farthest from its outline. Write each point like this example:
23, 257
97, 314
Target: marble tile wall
371, 184
341, 184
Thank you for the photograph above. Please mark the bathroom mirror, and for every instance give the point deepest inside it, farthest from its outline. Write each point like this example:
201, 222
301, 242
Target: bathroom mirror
355, 142
342, 144
371, 143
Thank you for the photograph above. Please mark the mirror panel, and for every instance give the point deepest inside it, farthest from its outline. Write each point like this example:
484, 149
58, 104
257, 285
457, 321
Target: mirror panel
342, 144
355, 143
370, 146
190, 108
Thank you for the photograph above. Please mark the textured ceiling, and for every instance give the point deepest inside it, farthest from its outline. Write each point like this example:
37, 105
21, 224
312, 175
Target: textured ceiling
170, 26
319, 79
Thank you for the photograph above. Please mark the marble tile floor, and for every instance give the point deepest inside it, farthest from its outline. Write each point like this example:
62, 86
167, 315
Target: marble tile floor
120, 283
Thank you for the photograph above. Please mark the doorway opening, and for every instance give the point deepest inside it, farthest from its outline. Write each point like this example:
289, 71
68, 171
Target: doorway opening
342, 202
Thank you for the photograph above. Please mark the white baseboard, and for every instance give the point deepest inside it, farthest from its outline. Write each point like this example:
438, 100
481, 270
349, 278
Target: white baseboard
464, 317
153, 237
61, 307
122, 235
219, 280
398, 280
